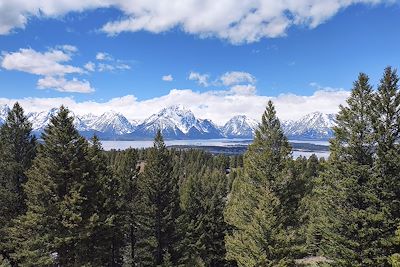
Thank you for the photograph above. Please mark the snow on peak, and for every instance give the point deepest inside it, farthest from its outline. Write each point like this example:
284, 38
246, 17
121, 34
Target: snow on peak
312, 125
240, 126
4, 109
109, 121
176, 116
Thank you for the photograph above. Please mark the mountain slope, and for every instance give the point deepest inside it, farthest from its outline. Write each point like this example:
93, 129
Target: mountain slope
176, 122
315, 125
239, 127
110, 122
4, 109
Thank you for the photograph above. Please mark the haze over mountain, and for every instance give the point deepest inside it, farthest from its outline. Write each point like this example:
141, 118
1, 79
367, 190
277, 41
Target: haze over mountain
178, 122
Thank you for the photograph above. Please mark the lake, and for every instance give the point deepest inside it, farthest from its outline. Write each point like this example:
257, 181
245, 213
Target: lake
121, 145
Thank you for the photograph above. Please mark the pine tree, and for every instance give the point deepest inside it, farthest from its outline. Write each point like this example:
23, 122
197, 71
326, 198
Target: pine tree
202, 222
160, 207
349, 218
60, 215
395, 258
127, 173
261, 227
17, 150
106, 225
386, 125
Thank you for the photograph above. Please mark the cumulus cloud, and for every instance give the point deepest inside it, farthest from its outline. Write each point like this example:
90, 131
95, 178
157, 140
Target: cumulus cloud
63, 85
243, 21
219, 106
31, 61
236, 77
167, 78
51, 66
201, 79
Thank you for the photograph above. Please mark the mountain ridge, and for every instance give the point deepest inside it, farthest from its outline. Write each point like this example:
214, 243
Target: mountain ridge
179, 122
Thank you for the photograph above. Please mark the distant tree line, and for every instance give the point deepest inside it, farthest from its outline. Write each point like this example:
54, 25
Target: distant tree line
66, 202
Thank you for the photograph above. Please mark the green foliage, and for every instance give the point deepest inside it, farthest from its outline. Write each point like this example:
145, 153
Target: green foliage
262, 205
395, 258
358, 214
126, 170
66, 218
17, 150
202, 222
160, 207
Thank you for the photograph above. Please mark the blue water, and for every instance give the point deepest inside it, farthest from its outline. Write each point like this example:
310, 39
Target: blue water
108, 145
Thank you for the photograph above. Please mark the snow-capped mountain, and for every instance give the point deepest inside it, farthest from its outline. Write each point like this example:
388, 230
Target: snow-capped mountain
4, 109
177, 122
41, 119
110, 122
239, 127
315, 125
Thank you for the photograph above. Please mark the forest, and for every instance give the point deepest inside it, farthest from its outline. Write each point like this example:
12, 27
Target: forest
64, 201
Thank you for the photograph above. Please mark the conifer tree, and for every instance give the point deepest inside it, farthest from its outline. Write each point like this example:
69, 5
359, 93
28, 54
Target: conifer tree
60, 215
17, 150
203, 226
386, 125
348, 218
261, 234
127, 173
395, 258
160, 208
106, 225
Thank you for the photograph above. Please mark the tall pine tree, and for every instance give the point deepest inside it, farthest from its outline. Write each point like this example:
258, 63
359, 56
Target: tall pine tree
261, 232
349, 217
157, 243
17, 150
61, 216
386, 124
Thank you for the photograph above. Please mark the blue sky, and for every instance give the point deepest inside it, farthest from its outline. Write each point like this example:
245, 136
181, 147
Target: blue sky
296, 62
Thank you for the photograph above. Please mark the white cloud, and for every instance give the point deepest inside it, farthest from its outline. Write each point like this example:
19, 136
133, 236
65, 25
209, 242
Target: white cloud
247, 89
103, 56
102, 67
63, 85
201, 79
167, 78
50, 66
31, 61
218, 106
90, 66
243, 21
108, 63
68, 48
236, 77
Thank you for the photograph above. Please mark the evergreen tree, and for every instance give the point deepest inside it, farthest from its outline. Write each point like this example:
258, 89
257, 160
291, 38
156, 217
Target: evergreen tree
60, 215
17, 150
395, 258
203, 226
160, 208
349, 218
261, 232
106, 225
386, 125
127, 172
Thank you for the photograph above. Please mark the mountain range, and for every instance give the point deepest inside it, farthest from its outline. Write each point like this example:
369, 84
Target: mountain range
178, 122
